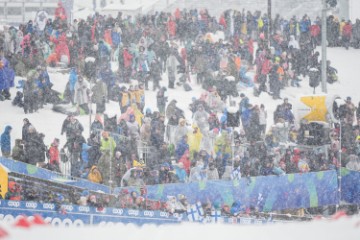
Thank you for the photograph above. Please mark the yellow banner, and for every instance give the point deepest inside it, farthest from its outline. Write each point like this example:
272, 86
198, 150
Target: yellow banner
314, 108
4, 178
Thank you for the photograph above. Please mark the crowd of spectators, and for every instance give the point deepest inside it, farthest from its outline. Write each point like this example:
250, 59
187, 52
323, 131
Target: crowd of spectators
145, 146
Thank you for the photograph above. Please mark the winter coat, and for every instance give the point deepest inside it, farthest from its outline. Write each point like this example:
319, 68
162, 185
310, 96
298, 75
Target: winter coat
201, 119
181, 147
185, 161
194, 140
100, 92
6, 140
95, 175
54, 155
35, 149
7, 75
25, 131
172, 109
293, 43
94, 152
180, 132
18, 151
133, 130
81, 92
73, 79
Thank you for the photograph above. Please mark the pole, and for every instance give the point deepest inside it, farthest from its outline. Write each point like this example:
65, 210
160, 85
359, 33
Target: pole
339, 169
323, 48
90, 106
269, 17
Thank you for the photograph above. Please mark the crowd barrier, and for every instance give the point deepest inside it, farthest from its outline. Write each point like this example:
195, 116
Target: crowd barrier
82, 215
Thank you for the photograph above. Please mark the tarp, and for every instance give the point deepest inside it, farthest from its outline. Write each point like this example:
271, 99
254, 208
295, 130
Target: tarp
33, 171
268, 193
350, 186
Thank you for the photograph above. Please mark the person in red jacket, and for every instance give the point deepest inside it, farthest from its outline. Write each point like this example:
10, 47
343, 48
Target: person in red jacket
54, 156
171, 27
315, 34
346, 34
222, 22
60, 11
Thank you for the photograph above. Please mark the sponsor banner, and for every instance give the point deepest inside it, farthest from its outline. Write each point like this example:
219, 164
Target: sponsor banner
72, 215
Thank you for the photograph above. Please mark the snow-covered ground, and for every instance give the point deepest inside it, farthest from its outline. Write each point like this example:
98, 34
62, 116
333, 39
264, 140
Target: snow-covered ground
344, 228
48, 122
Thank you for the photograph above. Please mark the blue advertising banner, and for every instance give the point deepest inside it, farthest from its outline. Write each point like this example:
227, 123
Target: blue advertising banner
82, 215
268, 193
33, 171
72, 215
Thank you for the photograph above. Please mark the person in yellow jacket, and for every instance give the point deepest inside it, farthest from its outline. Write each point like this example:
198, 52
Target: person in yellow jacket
132, 94
139, 97
95, 175
124, 99
137, 113
194, 139
106, 164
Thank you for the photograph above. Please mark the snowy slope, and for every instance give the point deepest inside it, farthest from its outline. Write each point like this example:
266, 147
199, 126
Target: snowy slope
348, 229
49, 123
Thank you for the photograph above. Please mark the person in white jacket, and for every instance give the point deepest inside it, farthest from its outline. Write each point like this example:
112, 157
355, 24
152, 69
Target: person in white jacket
262, 119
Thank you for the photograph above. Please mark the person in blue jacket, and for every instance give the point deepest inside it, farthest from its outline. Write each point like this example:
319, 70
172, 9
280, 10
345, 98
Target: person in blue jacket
6, 142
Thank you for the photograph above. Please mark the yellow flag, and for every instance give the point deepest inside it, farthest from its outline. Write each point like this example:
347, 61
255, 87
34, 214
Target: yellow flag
3, 181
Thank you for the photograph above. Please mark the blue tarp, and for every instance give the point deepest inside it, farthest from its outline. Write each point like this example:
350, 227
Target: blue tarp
350, 186
264, 193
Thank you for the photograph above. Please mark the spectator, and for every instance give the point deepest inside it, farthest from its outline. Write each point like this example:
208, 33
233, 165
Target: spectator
18, 152
6, 142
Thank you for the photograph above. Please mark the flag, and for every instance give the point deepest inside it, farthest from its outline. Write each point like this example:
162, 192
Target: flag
3, 180
216, 215
236, 174
195, 212
192, 213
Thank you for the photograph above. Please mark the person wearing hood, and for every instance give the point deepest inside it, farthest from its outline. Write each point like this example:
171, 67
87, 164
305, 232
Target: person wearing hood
201, 119
99, 96
95, 175
6, 142
180, 131
81, 96
194, 139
